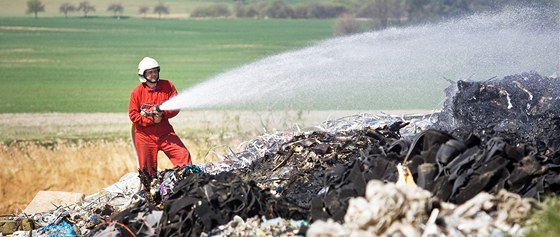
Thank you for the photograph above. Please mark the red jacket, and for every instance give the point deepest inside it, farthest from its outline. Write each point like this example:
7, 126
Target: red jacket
143, 94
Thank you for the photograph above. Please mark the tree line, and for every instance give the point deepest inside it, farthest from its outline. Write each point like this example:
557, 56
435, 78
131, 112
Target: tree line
378, 13
36, 6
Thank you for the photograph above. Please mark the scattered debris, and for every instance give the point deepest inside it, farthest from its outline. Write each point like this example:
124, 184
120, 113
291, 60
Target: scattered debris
478, 168
520, 108
47, 201
389, 209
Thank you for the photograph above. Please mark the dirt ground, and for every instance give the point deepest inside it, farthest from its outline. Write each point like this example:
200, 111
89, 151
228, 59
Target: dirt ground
34, 126
85, 152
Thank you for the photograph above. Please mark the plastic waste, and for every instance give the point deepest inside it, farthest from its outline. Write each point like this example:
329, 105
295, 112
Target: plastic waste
62, 229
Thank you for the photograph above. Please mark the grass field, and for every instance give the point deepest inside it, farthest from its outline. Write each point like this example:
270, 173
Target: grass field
89, 65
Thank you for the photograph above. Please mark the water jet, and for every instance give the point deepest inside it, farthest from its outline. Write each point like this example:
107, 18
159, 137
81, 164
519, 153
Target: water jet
396, 68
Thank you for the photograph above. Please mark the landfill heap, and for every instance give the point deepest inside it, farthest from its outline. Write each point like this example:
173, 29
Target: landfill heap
521, 109
479, 166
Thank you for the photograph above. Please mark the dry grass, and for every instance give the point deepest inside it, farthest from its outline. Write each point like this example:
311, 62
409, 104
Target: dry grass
87, 152
84, 166
80, 166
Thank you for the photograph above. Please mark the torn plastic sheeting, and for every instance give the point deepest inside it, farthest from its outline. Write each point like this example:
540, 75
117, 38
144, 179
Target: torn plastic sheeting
121, 192
128, 185
269, 144
93, 209
48, 201
256, 226
404, 210
62, 229
252, 150
363, 120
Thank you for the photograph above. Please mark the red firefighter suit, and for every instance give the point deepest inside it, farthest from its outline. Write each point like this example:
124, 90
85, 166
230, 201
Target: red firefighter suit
150, 137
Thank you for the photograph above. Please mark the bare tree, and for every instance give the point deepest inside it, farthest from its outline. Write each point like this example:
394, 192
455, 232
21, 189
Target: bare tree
65, 8
35, 6
143, 10
116, 8
161, 9
86, 8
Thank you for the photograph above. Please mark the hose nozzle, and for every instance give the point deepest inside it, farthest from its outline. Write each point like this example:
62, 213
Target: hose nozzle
150, 109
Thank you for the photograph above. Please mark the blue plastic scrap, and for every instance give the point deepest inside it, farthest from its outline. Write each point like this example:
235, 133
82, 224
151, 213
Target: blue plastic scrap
62, 229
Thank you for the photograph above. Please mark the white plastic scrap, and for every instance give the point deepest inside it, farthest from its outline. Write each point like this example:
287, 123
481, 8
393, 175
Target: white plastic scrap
119, 196
405, 210
121, 192
19, 234
251, 151
385, 205
271, 143
256, 226
362, 120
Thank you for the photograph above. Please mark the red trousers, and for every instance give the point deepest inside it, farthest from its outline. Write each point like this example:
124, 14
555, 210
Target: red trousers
147, 147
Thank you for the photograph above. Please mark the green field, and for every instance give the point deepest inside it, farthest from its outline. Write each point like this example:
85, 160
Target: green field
89, 65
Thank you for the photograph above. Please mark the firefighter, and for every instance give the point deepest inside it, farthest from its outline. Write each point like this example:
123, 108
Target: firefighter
151, 130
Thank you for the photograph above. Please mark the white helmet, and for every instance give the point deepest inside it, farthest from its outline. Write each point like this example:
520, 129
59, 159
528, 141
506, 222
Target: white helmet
145, 64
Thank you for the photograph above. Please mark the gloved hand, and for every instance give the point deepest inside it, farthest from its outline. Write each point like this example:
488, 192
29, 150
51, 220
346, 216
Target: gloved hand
149, 110
158, 117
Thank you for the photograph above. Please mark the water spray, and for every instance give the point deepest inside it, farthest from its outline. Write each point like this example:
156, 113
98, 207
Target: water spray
396, 68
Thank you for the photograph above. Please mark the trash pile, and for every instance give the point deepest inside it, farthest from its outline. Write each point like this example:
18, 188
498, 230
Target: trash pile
389, 209
519, 108
479, 168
